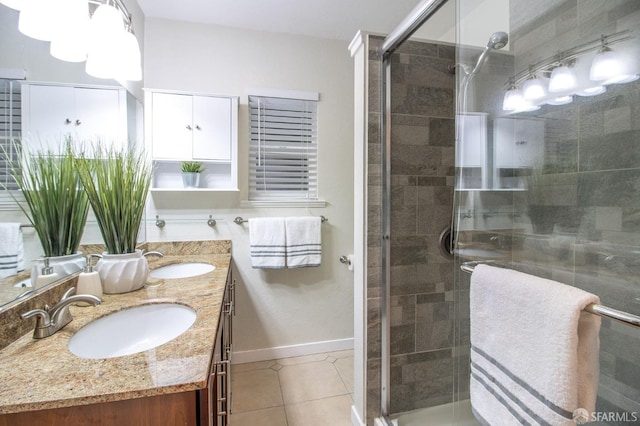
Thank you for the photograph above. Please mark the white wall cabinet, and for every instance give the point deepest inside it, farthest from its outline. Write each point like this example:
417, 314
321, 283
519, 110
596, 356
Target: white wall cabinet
192, 127
52, 112
471, 151
519, 144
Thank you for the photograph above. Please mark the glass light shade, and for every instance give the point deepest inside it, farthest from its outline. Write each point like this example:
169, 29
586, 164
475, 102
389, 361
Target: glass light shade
71, 43
40, 19
513, 100
560, 100
562, 79
605, 65
592, 91
534, 89
13, 4
105, 31
130, 58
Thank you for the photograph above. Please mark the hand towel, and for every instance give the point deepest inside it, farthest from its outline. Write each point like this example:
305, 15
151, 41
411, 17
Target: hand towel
304, 244
267, 242
11, 249
534, 352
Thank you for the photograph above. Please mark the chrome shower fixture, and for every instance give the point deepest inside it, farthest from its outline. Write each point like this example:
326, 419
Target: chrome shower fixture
497, 41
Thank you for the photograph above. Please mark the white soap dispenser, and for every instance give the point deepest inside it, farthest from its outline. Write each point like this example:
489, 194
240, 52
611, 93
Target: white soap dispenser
89, 282
47, 276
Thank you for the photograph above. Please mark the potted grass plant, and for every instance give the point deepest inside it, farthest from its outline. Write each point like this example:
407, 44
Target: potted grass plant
117, 183
191, 171
56, 204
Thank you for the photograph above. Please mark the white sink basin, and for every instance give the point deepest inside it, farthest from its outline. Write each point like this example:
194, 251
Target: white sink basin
132, 330
181, 270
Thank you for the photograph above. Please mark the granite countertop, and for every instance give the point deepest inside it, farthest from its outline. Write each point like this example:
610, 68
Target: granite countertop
42, 374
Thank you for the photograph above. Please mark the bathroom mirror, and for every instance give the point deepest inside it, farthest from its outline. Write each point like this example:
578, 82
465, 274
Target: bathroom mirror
20, 54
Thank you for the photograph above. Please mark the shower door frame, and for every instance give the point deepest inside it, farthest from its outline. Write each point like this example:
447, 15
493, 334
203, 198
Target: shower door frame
418, 16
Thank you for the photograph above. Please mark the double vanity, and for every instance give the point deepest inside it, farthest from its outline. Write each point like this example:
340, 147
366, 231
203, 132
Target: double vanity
112, 372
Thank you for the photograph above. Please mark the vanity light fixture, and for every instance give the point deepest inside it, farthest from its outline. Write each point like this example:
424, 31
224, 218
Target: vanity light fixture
13, 4
571, 72
106, 40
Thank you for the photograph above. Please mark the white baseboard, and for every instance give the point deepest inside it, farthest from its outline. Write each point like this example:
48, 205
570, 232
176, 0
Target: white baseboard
355, 417
293, 350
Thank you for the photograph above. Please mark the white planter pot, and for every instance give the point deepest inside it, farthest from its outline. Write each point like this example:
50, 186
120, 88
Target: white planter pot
62, 265
191, 180
122, 273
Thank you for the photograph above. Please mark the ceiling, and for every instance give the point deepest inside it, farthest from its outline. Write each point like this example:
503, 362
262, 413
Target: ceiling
334, 19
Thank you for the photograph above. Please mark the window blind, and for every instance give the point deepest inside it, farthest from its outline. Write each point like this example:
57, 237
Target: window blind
283, 149
10, 126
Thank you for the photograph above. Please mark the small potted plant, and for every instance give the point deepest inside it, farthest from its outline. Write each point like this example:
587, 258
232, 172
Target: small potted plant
191, 173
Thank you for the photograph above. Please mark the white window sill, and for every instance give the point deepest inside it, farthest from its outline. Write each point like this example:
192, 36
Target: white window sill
284, 203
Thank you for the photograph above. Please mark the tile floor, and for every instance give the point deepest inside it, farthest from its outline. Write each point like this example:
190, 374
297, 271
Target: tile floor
300, 391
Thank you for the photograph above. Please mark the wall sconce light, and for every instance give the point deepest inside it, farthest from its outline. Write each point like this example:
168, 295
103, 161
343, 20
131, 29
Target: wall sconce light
513, 99
560, 100
106, 41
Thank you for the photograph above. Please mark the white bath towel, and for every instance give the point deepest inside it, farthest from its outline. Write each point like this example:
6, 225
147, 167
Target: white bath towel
304, 241
11, 249
267, 241
534, 352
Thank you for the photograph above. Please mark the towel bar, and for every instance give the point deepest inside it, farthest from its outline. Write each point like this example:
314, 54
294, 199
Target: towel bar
603, 311
26, 225
239, 220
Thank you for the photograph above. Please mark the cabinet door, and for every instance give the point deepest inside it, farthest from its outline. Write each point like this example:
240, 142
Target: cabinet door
519, 143
211, 128
49, 116
98, 118
172, 126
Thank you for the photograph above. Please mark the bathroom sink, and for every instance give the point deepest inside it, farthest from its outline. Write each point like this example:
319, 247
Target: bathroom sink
132, 330
181, 270
475, 253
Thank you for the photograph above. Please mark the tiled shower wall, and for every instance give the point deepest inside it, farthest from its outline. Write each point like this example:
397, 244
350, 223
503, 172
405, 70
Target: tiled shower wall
592, 148
422, 177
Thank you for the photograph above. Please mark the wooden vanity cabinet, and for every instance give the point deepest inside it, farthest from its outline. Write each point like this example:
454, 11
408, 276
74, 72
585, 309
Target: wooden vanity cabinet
216, 399
210, 406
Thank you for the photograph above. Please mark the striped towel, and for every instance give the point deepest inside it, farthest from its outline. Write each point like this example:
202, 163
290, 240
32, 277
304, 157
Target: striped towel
304, 245
11, 249
534, 352
267, 242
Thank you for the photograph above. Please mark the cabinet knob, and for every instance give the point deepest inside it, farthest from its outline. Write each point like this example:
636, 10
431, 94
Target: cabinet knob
78, 122
188, 127
67, 121
198, 127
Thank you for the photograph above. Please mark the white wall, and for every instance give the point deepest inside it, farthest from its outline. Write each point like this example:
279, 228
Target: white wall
283, 307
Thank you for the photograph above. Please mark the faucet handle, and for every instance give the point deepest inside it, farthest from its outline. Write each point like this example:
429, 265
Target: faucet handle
42, 317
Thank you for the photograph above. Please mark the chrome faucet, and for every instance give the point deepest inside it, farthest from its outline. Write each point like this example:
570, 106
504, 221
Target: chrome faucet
49, 322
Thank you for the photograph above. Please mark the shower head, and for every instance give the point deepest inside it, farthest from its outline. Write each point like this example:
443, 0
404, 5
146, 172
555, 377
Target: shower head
497, 41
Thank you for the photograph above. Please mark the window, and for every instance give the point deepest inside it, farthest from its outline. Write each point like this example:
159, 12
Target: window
10, 125
283, 149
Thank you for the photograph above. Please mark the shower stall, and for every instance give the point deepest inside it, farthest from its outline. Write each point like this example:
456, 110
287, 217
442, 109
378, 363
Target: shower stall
506, 143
